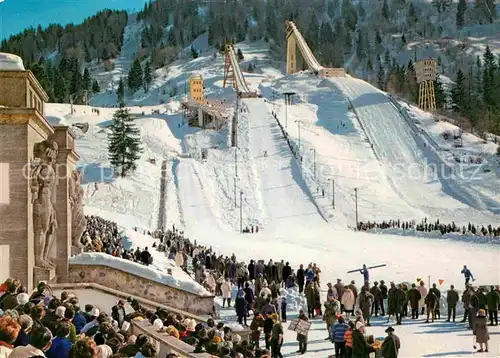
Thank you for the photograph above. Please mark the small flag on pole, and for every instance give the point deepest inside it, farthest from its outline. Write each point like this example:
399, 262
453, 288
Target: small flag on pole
419, 279
440, 282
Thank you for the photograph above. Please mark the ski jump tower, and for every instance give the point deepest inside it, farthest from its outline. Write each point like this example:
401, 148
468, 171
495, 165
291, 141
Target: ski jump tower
234, 75
294, 41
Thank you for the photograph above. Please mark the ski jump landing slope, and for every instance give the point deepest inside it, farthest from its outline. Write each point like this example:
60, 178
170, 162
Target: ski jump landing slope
415, 171
286, 197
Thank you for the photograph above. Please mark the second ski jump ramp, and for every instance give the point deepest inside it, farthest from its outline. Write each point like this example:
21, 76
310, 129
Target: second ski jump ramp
417, 173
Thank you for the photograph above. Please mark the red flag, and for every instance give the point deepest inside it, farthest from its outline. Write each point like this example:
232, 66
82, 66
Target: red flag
440, 282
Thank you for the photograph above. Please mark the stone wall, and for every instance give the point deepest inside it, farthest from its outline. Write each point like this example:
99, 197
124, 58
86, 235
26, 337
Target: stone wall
142, 287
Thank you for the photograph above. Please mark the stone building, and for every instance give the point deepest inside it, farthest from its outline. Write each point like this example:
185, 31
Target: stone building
37, 164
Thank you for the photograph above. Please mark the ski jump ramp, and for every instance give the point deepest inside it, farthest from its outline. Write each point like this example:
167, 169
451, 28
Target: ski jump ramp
416, 171
234, 75
294, 40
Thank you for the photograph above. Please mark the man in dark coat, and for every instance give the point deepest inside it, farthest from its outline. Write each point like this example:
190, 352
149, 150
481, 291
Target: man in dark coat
436, 291
286, 271
452, 299
391, 301
360, 347
400, 297
241, 307
384, 290
301, 278
430, 305
414, 297
391, 345
492, 301
377, 297
365, 303
251, 270
145, 257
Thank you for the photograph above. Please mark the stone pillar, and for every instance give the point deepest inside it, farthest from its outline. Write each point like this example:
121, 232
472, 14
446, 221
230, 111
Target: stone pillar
66, 163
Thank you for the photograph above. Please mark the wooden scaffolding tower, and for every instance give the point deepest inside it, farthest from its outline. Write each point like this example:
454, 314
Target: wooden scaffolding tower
229, 75
427, 96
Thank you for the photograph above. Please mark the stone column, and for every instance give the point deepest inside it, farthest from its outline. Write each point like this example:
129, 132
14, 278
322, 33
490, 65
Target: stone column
66, 163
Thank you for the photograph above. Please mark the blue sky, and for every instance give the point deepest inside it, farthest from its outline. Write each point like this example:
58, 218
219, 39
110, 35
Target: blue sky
16, 15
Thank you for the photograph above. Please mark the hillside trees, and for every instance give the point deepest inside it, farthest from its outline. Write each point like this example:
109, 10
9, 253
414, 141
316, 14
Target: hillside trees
148, 76
79, 41
135, 79
124, 145
460, 16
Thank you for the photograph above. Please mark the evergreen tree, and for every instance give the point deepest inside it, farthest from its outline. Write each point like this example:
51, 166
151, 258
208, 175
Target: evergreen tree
458, 95
460, 17
120, 93
194, 53
124, 146
87, 80
135, 76
148, 76
369, 65
412, 15
380, 75
403, 39
385, 10
76, 81
490, 88
59, 87
95, 87
240, 55
440, 93
42, 77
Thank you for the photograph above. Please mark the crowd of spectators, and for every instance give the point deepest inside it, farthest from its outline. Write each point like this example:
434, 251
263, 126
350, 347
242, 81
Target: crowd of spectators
426, 226
42, 325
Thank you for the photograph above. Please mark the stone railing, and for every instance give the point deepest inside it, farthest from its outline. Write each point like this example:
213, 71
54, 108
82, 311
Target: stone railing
164, 343
131, 284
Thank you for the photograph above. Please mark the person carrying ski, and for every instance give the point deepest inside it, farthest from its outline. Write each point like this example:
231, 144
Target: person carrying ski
365, 273
467, 274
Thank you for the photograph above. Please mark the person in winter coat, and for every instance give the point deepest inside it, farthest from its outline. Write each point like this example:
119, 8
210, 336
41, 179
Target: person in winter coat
338, 332
146, 257
266, 291
251, 270
9, 300
330, 315
414, 298
268, 308
309, 273
79, 320
61, 345
348, 339
391, 345
286, 271
23, 338
283, 309
312, 291
430, 305
492, 302
480, 330
301, 278
339, 288
452, 299
302, 338
377, 298
383, 289
119, 313
348, 300
332, 293
365, 301
400, 297
240, 305
436, 291
353, 288
259, 281
423, 293
249, 295
391, 301
256, 328
226, 293
467, 274
360, 347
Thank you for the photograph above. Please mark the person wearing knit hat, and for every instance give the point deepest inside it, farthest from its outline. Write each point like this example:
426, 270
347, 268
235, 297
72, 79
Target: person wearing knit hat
22, 298
360, 347
60, 311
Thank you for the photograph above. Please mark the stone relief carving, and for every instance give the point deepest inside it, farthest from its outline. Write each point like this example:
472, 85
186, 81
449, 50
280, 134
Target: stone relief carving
78, 221
42, 183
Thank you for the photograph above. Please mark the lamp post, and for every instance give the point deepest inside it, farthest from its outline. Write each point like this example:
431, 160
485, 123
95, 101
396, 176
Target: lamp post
236, 161
356, 197
298, 125
314, 161
333, 192
235, 179
241, 210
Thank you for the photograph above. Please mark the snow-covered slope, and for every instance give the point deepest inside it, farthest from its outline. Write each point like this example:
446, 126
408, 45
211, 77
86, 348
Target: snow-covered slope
417, 174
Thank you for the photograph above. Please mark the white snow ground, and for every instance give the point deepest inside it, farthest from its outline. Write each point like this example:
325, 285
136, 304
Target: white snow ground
282, 200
